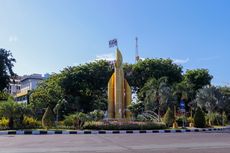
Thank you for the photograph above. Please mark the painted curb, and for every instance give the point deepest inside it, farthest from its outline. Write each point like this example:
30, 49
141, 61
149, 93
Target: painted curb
52, 132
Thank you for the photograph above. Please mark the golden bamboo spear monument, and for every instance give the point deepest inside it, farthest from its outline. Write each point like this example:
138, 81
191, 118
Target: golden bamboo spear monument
119, 92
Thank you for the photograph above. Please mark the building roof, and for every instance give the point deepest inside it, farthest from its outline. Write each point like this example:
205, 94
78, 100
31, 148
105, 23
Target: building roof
33, 76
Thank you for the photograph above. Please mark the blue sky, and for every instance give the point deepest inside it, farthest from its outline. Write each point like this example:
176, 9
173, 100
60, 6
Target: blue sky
48, 35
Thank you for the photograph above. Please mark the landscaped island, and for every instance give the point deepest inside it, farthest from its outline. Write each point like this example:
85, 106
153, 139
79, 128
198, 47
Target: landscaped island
76, 98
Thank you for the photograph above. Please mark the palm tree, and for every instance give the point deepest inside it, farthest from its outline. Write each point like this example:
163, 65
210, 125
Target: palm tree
224, 105
209, 98
155, 94
13, 111
184, 91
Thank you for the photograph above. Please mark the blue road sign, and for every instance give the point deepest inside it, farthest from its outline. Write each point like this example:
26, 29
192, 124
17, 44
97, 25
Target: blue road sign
182, 106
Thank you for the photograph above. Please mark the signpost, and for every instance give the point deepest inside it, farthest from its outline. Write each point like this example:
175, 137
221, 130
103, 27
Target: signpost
182, 109
182, 106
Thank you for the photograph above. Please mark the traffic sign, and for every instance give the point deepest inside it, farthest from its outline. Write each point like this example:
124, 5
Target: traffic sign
182, 106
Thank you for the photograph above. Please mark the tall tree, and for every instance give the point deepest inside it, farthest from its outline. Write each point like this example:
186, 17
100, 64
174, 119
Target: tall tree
155, 94
184, 91
225, 103
138, 74
14, 112
6, 68
209, 98
84, 88
48, 93
198, 78
87, 85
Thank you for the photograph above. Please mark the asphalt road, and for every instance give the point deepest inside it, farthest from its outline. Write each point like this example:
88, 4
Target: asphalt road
202, 142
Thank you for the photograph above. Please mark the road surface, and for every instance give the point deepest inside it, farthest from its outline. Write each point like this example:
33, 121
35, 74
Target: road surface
205, 142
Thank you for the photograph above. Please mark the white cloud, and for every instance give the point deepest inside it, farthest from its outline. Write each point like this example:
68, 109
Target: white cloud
142, 58
181, 61
108, 57
13, 38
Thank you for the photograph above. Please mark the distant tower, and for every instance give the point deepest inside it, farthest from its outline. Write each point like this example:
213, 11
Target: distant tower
137, 55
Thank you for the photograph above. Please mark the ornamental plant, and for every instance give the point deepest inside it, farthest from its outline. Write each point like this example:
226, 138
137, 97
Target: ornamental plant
199, 118
76, 120
4, 123
48, 118
168, 118
30, 123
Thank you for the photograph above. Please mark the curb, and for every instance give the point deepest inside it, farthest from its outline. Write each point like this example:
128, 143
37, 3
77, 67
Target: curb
51, 132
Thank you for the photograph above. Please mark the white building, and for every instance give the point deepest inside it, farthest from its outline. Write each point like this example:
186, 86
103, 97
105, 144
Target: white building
14, 86
28, 83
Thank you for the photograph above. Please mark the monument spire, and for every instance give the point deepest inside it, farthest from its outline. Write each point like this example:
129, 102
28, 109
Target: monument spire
119, 92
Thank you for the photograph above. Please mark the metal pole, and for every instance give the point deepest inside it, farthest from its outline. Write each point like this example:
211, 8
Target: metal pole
57, 117
184, 119
175, 112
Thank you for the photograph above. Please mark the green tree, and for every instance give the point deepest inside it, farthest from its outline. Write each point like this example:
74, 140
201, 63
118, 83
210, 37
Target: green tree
6, 64
215, 101
136, 108
138, 74
197, 78
48, 93
184, 91
208, 98
224, 105
155, 94
14, 112
193, 80
86, 85
4, 95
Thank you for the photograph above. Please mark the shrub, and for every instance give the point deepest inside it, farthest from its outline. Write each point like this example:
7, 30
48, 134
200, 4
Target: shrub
123, 126
216, 119
48, 118
4, 123
199, 118
141, 118
76, 120
181, 119
30, 123
224, 118
80, 120
190, 119
136, 108
14, 112
69, 120
96, 115
168, 118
